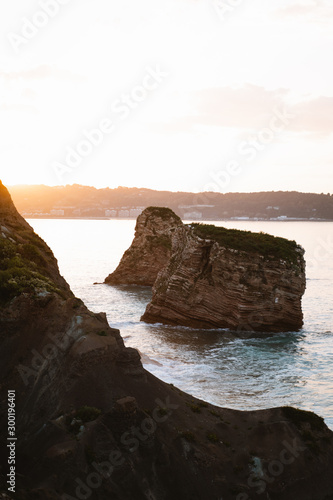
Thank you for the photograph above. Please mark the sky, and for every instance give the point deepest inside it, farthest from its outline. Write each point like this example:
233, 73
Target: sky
181, 95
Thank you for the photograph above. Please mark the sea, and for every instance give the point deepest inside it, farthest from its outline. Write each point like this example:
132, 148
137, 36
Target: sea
240, 371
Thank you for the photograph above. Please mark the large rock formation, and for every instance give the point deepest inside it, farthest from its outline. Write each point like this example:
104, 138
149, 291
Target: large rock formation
91, 423
150, 250
212, 277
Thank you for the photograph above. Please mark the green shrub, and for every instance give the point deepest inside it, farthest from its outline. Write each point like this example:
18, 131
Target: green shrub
164, 213
212, 437
203, 404
87, 413
194, 408
188, 435
247, 241
159, 241
20, 271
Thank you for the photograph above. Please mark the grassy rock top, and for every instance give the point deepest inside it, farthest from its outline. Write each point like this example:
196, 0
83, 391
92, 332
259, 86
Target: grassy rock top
270, 247
261, 243
162, 212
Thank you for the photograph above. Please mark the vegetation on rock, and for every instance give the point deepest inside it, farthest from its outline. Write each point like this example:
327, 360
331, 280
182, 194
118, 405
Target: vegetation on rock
163, 212
160, 241
21, 270
87, 413
265, 244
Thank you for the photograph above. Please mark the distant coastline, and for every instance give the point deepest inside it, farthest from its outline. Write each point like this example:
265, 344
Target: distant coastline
238, 219
86, 202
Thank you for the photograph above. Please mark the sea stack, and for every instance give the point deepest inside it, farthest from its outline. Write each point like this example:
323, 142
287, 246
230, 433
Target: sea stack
92, 423
212, 277
150, 250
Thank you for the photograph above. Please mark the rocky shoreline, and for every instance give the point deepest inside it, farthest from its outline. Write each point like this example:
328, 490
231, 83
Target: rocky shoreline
92, 423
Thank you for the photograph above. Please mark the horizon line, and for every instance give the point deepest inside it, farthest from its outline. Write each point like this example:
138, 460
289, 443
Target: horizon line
162, 190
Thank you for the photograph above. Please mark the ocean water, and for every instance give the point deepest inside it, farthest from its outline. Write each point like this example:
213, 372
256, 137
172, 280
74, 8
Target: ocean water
242, 372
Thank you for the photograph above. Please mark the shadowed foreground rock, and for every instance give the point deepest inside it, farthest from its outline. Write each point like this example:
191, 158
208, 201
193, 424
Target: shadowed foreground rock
209, 277
91, 423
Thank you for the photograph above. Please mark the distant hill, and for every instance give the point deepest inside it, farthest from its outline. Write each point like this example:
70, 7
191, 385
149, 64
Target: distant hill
85, 201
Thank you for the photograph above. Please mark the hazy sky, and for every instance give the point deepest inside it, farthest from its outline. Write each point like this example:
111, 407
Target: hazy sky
224, 95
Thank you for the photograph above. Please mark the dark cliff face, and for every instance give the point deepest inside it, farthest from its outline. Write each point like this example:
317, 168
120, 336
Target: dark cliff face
56, 354
212, 277
93, 424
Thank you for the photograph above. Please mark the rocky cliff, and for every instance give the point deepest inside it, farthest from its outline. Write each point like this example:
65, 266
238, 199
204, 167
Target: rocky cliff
212, 277
91, 423
150, 250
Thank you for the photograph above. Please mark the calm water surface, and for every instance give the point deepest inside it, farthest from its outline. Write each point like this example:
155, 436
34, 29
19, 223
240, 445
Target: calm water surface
257, 371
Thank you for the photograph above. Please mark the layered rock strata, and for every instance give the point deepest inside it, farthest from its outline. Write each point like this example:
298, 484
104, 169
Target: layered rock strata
150, 250
213, 277
92, 423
